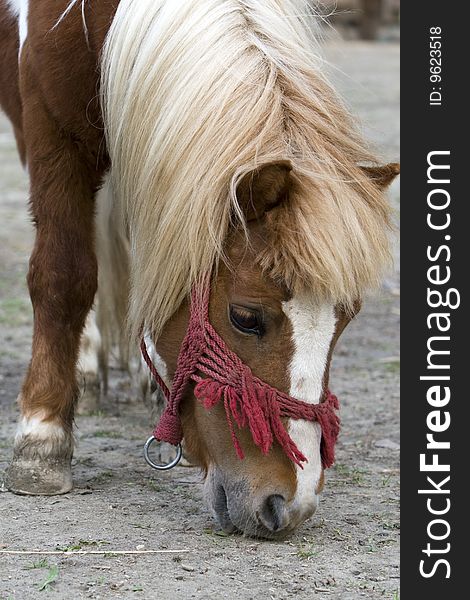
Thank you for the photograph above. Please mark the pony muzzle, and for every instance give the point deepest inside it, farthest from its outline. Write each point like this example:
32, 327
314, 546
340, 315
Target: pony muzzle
264, 512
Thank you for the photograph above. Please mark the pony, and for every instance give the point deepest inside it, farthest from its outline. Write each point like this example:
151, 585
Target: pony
188, 149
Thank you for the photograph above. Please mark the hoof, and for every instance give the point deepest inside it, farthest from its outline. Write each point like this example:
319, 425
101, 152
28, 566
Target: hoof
38, 477
41, 465
89, 398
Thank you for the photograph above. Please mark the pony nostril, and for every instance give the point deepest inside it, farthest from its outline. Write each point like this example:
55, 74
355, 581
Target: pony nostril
274, 513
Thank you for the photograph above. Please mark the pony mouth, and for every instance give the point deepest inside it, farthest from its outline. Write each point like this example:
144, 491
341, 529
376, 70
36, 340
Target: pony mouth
252, 525
220, 508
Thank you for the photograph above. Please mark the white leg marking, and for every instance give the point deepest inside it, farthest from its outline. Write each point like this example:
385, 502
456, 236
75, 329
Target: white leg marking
49, 435
20, 10
89, 347
38, 428
39, 440
313, 329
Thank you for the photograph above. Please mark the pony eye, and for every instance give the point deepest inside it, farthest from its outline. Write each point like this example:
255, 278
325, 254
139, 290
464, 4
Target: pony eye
246, 321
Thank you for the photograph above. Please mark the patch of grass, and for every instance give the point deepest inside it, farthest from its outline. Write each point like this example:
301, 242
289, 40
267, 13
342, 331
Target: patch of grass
68, 548
357, 476
305, 547
386, 480
88, 461
51, 577
307, 552
106, 434
353, 474
140, 526
339, 535
392, 366
103, 476
137, 588
153, 485
391, 526
99, 412
186, 494
42, 563
82, 545
93, 542
217, 532
217, 536
396, 595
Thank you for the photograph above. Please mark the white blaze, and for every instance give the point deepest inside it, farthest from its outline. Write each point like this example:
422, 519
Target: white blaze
313, 328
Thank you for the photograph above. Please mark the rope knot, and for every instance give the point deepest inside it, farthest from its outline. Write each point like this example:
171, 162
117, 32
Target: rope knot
169, 428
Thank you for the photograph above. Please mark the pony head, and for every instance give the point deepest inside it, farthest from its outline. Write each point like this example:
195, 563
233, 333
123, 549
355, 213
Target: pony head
232, 155
286, 334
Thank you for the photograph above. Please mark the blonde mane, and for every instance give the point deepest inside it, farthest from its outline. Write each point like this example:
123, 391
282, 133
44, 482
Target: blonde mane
199, 93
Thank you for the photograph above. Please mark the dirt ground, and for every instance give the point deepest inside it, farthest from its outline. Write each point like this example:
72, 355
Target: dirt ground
348, 550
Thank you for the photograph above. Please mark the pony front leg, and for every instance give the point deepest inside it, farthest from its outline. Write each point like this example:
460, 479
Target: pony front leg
62, 288
62, 281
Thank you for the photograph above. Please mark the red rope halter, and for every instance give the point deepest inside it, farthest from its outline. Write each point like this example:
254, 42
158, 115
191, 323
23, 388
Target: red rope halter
220, 375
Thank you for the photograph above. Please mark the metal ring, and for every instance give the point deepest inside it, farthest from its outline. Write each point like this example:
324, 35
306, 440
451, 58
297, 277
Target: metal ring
167, 467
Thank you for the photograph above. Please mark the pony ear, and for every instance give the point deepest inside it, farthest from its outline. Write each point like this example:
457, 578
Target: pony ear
382, 176
264, 188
